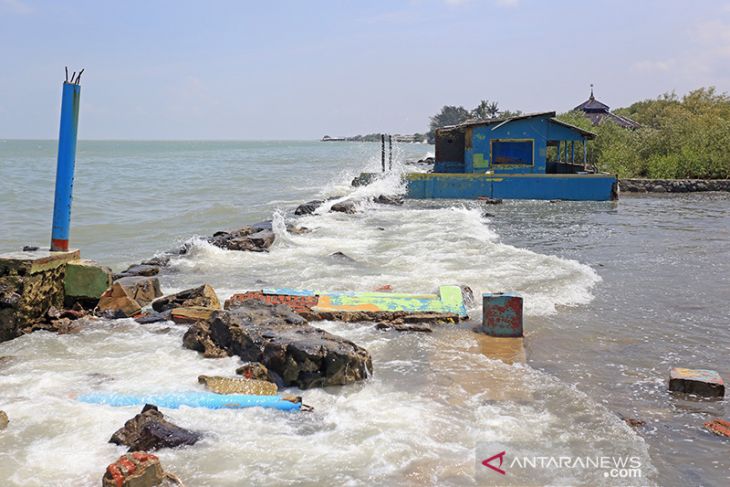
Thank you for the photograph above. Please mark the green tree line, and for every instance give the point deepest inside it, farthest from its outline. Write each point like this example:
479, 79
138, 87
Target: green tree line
679, 137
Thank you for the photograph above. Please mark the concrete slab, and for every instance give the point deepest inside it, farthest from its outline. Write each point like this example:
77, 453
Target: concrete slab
86, 279
37, 261
701, 382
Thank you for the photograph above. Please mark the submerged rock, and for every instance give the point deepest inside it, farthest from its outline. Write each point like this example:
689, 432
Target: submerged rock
238, 385
347, 206
403, 327
152, 317
149, 430
203, 296
298, 353
388, 200
342, 257
308, 208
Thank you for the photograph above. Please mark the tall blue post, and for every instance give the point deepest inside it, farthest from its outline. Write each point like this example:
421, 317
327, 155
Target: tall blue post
65, 167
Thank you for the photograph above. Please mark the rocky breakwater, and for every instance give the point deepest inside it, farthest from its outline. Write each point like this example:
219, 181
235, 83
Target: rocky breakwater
673, 185
294, 352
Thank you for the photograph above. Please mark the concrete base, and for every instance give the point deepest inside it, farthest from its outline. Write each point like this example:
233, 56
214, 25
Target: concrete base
86, 280
30, 283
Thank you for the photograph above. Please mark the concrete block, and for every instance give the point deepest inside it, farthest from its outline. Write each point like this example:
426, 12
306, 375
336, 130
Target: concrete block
135, 469
701, 382
192, 314
719, 427
501, 315
117, 301
86, 279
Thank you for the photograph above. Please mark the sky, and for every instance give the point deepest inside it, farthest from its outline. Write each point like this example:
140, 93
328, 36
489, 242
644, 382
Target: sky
242, 70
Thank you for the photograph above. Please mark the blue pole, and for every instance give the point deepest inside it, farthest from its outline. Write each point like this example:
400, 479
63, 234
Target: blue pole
65, 167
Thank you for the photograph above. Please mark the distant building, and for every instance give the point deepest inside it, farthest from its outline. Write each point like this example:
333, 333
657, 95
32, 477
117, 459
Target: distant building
597, 112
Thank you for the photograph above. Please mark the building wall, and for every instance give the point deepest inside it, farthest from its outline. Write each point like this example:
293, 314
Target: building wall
479, 156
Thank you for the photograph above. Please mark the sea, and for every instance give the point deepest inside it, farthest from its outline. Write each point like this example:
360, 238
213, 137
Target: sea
615, 293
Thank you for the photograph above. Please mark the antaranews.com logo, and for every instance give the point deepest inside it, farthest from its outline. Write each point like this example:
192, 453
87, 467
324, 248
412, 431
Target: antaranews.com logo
509, 465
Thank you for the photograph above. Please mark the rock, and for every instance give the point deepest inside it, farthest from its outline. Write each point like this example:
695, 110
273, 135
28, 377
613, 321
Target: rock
300, 354
308, 208
251, 238
4, 421
255, 371
142, 289
718, 426
30, 248
203, 296
489, 201
152, 317
192, 314
701, 382
634, 423
388, 200
140, 270
342, 257
238, 385
85, 281
137, 469
385, 288
404, 327
53, 313
158, 260
347, 206
263, 239
117, 303
149, 430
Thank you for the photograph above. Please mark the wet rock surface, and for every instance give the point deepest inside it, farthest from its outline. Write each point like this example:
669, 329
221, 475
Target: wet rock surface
117, 302
347, 206
149, 430
291, 349
308, 208
404, 327
388, 200
238, 385
255, 370
145, 270
142, 289
203, 296
4, 421
673, 185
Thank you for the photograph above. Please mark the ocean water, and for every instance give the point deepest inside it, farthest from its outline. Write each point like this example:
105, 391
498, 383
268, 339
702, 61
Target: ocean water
615, 295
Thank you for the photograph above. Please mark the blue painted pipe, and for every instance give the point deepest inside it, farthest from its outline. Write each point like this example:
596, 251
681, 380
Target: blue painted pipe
65, 166
191, 399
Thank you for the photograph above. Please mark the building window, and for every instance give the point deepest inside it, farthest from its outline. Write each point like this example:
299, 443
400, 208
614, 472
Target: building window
512, 152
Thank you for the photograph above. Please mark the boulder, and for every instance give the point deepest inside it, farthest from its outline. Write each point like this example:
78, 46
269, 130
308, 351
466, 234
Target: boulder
203, 296
263, 239
136, 469
85, 281
142, 289
308, 208
291, 349
158, 260
139, 270
149, 430
238, 385
192, 314
117, 303
153, 317
4, 421
254, 370
347, 206
341, 256
388, 200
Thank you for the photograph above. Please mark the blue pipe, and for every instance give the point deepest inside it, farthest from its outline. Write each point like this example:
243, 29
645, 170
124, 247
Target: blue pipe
65, 166
191, 399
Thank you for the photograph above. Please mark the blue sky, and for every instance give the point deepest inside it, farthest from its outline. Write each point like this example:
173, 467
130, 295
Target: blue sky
301, 69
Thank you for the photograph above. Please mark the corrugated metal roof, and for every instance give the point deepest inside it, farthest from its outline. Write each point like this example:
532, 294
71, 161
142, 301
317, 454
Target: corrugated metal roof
495, 121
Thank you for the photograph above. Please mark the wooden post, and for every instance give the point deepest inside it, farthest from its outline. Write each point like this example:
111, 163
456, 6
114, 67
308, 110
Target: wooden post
390, 152
382, 151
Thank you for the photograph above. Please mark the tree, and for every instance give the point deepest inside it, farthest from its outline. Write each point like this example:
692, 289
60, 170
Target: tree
449, 115
485, 110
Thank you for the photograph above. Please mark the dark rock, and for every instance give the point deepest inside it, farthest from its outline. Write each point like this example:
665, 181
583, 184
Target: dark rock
73, 314
204, 296
487, 215
404, 327
263, 239
388, 200
364, 179
300, 354
158, 260
347, 206
30, 248
142, 270
489, 201
152, 317
342, 257
240, 240
308, 208
149, 430
142, 289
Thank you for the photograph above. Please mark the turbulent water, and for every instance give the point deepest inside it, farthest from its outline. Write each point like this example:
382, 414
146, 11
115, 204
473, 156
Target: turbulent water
615, 294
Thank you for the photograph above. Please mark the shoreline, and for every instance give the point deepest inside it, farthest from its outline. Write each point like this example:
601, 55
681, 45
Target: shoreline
634, 185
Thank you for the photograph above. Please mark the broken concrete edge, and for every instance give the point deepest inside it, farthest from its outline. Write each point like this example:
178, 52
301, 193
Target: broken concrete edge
718, 426
33, 262
700, 382
448, 306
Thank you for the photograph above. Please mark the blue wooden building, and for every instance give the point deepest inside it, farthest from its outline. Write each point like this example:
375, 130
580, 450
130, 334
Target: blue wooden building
509, 158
